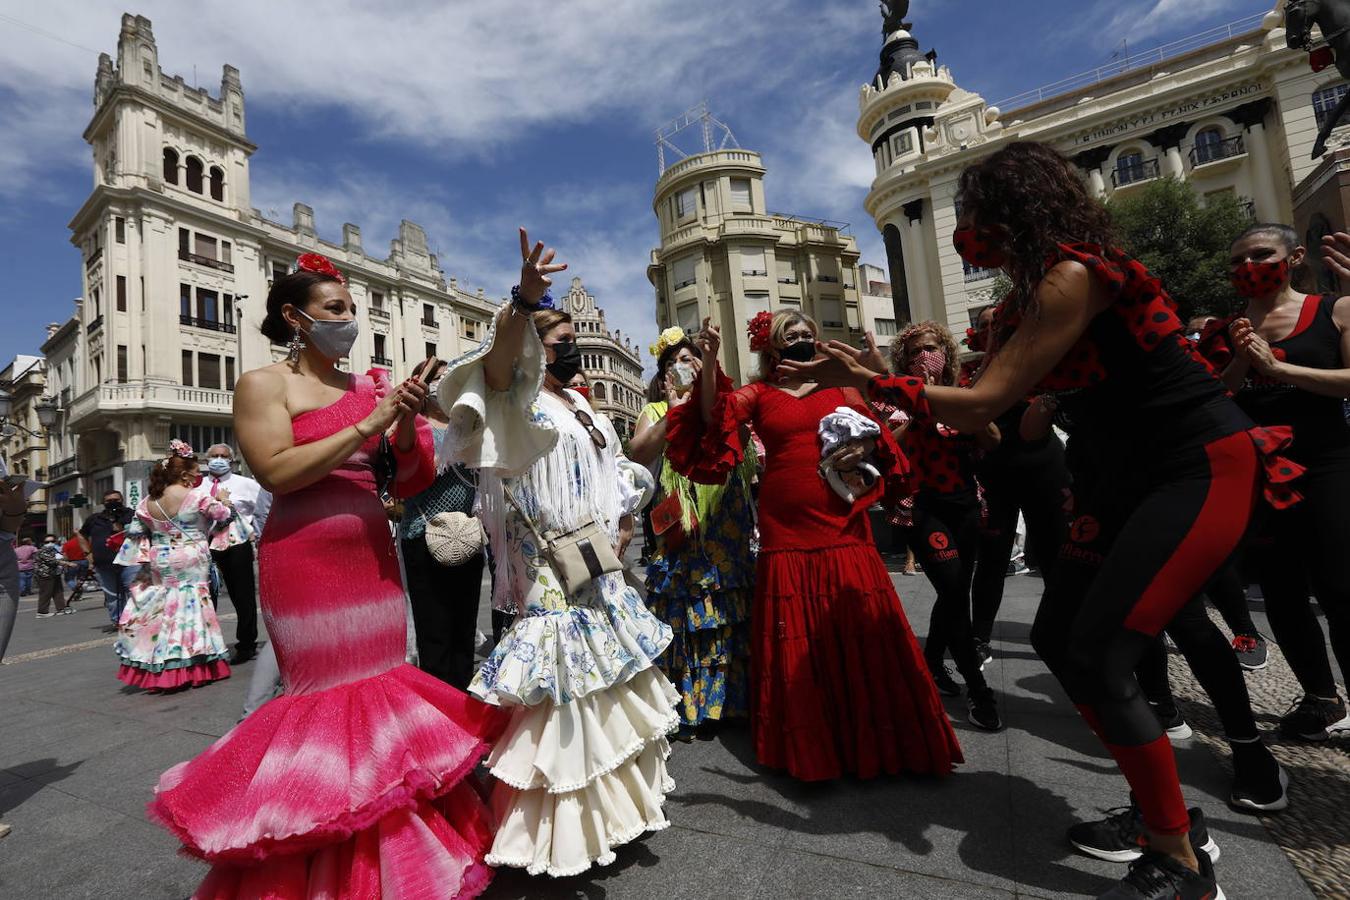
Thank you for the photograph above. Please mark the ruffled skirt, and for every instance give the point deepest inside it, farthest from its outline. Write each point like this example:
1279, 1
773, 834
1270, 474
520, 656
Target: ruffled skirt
840, 685
169, 638
355, 791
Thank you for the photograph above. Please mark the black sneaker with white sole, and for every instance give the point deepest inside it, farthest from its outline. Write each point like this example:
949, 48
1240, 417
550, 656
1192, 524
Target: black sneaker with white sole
1157, 876
1120, 836
1260, 783
983, 711
1172, 722
1315, 718
947, 685
1251, 650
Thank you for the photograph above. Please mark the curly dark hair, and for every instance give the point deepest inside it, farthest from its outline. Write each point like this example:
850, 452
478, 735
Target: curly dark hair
293, 289
169, 470
1039, 198
656, 388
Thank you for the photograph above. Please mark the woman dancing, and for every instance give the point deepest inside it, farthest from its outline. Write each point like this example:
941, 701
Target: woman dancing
170, 637
838, 682
946, 515
699, 576
581, 768
1166, 468
1291, 367
352, 783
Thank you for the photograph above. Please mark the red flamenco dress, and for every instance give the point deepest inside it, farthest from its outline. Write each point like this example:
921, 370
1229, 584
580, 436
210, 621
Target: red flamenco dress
355, 782
838, 683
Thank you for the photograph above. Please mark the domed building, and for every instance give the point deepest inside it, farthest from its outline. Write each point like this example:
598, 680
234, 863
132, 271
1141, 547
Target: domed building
611, 361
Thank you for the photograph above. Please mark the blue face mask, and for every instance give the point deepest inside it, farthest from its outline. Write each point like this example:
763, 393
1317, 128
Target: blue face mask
218, 466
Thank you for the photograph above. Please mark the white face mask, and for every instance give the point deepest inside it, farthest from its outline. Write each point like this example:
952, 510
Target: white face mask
333, 338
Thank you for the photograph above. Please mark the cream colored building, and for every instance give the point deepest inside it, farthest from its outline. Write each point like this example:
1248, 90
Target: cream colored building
611, 362
177, 265
23, 439
724, 256
1232, 111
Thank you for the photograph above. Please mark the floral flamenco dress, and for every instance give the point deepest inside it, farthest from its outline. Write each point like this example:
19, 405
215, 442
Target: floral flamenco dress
169, 636
581, 768
354, 782
700, 583
838, 682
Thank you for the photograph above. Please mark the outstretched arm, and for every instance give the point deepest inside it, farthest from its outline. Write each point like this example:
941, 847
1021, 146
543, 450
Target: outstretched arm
536, 266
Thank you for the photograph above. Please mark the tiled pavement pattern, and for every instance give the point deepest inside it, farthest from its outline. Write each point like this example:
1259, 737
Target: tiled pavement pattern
79, 753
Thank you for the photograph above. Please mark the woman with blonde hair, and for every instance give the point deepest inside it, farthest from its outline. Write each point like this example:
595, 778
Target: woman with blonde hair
945, 528
838, 684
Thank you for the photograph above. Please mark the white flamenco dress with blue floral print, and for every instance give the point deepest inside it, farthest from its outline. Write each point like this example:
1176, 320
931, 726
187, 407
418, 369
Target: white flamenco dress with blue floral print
581, 769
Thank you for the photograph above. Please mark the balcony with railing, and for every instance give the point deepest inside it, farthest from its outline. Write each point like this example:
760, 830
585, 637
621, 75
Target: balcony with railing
1137, 172
64, 468
208, 324
1216, 151
379, 312
94, 325
207, 261
95, 406
382, 361
93, 258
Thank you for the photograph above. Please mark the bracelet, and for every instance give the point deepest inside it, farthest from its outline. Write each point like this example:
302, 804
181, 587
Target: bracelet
545, 302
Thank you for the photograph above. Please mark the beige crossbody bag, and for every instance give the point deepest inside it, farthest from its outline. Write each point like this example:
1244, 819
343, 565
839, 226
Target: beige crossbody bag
578, 556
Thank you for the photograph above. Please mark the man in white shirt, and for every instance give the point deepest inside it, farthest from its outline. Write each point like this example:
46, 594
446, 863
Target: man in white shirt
235, 564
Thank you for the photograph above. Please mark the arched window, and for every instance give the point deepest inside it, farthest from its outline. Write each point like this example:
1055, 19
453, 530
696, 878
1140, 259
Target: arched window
1208, 146
1129, 167
1324, 100
599, 391
217, 183
194, 174
170, 165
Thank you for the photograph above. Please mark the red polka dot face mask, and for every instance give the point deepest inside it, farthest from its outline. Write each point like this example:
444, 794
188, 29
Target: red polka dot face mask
975, 247
1260, 279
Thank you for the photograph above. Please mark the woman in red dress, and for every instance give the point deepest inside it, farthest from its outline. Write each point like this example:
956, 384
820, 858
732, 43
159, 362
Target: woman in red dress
838, 684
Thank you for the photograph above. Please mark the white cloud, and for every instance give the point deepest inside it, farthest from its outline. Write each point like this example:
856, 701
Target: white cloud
1140, 21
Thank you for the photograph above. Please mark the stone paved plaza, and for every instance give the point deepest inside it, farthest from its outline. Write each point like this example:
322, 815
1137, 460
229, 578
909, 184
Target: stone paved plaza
79, 753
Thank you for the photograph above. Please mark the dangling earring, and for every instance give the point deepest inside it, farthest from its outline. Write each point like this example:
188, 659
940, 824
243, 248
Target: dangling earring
294, 347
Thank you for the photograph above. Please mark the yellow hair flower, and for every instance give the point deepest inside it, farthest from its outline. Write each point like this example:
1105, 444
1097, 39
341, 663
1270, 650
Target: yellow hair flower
669, 338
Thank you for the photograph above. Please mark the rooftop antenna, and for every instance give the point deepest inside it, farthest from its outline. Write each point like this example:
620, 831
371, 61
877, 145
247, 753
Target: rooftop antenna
716, 135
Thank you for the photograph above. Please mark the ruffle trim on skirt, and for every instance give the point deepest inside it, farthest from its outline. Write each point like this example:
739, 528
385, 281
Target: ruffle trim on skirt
187, 663
693, 575
563, 655
432, 850
565, 834
192, 673
308, 771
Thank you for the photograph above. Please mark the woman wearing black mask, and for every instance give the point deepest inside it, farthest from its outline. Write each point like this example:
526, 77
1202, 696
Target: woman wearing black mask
838, 684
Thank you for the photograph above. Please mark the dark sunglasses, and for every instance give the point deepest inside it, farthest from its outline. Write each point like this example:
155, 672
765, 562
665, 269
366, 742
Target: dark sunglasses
597, 436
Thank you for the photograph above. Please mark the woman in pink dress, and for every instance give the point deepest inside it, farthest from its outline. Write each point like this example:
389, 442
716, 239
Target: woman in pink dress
352, 783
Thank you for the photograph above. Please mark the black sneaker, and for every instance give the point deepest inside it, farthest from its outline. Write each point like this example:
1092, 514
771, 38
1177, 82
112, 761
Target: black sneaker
1171, 720
1120, 836
1260, 783
1251, 651
1157, 876
983, 711
985, 653
241, 655
1315, 719
946, 684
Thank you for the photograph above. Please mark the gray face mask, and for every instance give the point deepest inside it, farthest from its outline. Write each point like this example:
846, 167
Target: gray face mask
333, 338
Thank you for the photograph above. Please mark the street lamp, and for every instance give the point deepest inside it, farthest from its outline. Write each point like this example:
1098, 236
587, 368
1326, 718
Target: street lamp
46, 409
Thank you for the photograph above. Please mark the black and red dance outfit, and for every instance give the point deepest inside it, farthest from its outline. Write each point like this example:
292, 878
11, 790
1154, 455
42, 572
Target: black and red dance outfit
838, 684
1019, 475
1166, 471
1303, 549
944, 536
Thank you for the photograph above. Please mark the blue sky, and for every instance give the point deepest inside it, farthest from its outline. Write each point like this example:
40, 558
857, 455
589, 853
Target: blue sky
471, 116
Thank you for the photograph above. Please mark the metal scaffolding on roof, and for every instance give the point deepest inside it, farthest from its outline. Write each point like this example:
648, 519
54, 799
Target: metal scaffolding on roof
711, 131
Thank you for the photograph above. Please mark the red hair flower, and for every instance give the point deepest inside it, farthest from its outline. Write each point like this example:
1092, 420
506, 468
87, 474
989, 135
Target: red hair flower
758, 331
317, 262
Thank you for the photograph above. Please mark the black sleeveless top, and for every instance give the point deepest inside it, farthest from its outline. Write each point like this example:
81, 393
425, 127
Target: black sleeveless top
1318, 422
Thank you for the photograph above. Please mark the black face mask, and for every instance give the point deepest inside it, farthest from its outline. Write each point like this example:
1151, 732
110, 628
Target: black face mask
802, 351
112, 506
566, 361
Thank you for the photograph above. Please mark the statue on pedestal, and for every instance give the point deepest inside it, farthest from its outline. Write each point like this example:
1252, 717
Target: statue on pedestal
893, 14
1333, 18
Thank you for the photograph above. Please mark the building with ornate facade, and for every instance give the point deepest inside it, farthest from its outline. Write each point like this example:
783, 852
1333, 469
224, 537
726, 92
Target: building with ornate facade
177, 264
724, 256
1232, 111
610, 360
23, 438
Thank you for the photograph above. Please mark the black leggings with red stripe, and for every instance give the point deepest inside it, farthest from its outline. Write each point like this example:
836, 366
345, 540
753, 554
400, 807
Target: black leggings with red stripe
1145, 538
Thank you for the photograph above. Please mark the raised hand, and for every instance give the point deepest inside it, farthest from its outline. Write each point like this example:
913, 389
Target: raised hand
1336, 253
535, 268
709, 340
872, 356
837, 365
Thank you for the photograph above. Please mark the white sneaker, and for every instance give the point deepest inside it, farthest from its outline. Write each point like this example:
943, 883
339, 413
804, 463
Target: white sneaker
46, 615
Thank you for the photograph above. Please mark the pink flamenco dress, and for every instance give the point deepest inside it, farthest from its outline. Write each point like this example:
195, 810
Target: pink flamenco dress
354, 783
168, 635
838, 683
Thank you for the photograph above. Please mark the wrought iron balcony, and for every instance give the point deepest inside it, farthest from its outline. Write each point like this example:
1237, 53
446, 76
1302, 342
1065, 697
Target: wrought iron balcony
1133, 173
205, 261
93, 257
382, 361
94, 325
208, 324
1204, 154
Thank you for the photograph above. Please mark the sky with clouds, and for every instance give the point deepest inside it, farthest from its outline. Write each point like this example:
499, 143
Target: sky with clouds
471, 117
